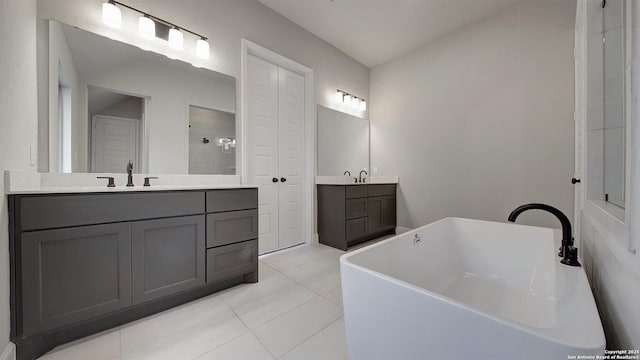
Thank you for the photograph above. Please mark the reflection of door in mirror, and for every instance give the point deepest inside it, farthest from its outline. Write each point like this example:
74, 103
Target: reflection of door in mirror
115, 130
212, 141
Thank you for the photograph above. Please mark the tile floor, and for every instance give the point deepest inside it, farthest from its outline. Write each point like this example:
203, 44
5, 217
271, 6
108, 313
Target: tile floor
293, 312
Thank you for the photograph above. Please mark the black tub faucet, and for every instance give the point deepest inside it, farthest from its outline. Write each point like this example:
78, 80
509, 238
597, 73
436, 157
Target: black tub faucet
567, 251
130, 173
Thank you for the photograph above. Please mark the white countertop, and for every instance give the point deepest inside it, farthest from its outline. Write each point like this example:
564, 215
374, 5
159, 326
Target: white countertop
350, 180
17, 182
104, 189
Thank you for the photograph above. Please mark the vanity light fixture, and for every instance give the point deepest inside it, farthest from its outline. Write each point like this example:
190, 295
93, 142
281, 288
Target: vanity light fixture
146, 27
111, 15
202, 48
350, 100
150, 27
176, 39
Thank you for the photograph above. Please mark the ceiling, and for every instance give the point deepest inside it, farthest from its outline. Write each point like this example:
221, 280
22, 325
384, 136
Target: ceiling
376, 31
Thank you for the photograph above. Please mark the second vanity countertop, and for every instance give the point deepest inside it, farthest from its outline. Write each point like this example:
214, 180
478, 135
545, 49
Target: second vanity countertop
346, 180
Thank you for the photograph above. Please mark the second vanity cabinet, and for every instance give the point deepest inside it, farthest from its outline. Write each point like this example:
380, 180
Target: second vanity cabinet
81, 263
351, 214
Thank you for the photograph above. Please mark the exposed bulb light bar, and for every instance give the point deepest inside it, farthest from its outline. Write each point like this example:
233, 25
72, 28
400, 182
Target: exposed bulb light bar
111, 15
202, 48
176, 39
347, 99
146, 27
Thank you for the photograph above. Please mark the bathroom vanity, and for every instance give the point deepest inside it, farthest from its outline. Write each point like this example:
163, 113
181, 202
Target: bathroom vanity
88, 261
351, 214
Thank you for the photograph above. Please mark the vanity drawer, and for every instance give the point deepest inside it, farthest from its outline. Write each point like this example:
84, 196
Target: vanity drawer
54, 211
356, 208
231, 227
356, 191
381, 190
229, 261
232, 199
356, 229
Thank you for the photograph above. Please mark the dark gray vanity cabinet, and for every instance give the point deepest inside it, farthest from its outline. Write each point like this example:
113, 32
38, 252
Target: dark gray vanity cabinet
86, 262
351, 214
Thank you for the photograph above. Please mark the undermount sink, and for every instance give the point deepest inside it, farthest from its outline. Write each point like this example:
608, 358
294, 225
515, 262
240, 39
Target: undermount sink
463, 288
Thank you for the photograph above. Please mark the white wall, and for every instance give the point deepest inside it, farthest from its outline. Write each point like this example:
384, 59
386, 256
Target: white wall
225, 22
481, 121
18, 124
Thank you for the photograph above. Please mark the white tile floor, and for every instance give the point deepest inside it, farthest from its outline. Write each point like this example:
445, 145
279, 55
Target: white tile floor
293, 312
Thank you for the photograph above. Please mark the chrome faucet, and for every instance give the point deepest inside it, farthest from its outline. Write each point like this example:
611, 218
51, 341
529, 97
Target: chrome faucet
360, 179
130, 173
567, 251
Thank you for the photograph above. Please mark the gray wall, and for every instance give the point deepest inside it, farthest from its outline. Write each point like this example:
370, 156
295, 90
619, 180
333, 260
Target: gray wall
18, 124
481, 121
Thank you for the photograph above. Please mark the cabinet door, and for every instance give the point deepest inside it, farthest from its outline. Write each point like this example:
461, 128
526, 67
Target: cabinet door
70, 275
375, 205
168, 256
389, 212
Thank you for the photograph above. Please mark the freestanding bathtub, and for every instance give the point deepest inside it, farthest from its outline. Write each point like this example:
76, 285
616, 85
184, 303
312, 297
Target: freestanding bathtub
468, 289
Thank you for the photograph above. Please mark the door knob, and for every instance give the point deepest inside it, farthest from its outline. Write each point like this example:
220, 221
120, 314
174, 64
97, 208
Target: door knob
574, 181
275, 180
283, 179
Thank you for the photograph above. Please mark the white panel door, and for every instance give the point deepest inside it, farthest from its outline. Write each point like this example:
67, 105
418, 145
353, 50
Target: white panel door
290, 156
262, 146
114, 142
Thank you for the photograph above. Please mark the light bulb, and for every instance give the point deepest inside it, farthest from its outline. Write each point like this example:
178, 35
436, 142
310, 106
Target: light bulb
146, 28
363, 105
111, 15
338, 96
176, 40
346, 99
355, 103
202, 49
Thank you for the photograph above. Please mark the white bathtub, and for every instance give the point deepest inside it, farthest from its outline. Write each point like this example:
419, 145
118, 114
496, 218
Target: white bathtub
468, 289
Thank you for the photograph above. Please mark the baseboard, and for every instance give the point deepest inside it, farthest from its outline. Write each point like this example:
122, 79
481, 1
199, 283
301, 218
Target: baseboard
315, 239
400, 229
9, 352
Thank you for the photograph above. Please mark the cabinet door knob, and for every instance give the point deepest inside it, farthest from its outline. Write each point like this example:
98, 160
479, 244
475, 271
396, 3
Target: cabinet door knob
275, 180
574, 181
283, 179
